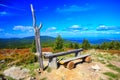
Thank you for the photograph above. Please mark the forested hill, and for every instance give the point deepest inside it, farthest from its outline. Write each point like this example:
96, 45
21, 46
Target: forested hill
24, 42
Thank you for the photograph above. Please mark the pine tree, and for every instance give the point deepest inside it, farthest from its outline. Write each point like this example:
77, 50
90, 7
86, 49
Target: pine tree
85, 44
76, 46
33, 48
58, 45
70, 45
105, 45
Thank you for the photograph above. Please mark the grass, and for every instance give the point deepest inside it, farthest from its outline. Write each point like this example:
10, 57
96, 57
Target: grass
113, 76
6, 77
49, 69
113, 67
44, 78
110, 74
32, 67
66, 56
9, 78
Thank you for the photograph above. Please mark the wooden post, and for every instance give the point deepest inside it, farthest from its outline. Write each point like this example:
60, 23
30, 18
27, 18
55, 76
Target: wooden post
53, 63
77, 54
37, 39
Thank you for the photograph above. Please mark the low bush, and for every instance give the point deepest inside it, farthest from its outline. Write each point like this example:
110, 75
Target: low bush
27, 59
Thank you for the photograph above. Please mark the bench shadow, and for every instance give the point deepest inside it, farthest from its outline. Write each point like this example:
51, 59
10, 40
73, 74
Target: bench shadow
81, 62
46, 67
58, 65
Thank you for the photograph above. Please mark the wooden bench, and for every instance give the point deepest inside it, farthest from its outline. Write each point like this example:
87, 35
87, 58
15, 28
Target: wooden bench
68, 63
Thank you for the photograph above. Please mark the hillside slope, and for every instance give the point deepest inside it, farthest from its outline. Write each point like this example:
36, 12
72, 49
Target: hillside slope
24, 42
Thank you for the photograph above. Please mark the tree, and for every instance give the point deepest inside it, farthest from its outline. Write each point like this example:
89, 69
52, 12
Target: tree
70, 45
105, 45
85, 44
117, 45
58, 45
37, 39
33, 48
76, 46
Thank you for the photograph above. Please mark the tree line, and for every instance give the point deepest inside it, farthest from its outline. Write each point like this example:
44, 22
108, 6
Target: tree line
59, 45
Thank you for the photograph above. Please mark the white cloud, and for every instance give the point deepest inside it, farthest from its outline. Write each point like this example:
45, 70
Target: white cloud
107, 28
75, 27
23, 28
102, 27
51, 29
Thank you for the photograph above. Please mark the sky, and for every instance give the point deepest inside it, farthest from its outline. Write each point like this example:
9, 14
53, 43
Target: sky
68, 18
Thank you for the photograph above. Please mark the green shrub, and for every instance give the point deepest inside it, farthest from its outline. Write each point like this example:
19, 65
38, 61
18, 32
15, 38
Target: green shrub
27, 59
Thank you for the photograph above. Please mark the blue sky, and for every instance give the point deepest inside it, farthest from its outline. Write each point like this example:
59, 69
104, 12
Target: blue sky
69, 18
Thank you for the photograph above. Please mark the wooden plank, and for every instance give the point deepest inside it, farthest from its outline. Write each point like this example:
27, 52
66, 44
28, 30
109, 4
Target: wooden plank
62, 53
74, 58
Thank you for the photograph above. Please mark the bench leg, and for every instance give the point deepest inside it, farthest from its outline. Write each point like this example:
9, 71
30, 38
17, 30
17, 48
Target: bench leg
53, 63
77, 54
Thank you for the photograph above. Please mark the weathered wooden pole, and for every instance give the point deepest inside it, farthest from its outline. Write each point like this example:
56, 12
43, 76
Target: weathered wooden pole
37, 39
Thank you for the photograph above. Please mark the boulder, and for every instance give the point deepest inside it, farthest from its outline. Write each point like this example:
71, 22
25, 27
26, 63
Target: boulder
16, 72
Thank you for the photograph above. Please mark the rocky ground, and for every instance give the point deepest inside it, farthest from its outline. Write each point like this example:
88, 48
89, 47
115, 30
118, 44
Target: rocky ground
95, 70
85, 71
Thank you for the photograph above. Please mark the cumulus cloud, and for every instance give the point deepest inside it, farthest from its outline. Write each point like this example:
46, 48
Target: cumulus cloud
73, 8
106, 28
77, 28
23, 28
51, 29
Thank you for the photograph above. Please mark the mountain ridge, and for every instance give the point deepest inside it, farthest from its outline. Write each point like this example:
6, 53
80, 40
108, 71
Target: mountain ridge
24, 42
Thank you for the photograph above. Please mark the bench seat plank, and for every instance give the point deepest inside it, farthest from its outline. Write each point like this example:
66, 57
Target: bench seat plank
74, 58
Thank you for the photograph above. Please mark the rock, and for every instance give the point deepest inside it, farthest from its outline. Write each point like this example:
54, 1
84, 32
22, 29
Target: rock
95, 67
16, 72
2, 61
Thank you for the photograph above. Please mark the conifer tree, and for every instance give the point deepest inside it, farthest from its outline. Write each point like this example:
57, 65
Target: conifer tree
85, 44
58, 45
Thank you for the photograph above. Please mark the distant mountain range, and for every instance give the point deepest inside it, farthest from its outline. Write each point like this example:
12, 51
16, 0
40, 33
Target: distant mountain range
24, 42
45, 41
92, 40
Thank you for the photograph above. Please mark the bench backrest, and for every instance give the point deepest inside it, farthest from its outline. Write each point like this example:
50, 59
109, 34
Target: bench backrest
63, 53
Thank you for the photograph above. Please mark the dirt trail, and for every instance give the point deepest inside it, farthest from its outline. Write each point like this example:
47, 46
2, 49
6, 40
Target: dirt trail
82, 71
